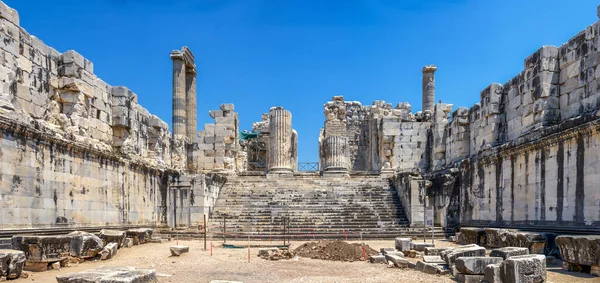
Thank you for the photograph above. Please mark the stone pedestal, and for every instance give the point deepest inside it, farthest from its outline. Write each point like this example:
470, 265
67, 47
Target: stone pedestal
280, 141
335, 155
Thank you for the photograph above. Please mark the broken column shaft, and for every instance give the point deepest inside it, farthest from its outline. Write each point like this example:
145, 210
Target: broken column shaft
336, 159
280, 141
429, 88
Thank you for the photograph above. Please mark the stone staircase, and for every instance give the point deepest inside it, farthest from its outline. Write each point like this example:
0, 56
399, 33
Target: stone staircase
313, 206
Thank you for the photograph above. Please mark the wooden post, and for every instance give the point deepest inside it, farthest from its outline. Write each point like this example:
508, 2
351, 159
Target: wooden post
204, 231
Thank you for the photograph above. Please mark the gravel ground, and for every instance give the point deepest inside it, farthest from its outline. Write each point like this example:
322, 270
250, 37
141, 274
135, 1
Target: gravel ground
231, 264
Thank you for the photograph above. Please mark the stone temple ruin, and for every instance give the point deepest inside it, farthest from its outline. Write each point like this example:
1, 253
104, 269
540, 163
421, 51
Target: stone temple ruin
77, 153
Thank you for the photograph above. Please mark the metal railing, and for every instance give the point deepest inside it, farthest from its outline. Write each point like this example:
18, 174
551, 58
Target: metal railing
308, 166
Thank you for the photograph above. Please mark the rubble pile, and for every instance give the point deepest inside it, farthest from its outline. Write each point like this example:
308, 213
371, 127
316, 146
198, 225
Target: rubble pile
334, 250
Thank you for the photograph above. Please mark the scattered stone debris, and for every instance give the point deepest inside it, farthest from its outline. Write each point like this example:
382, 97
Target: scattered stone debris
421, 246
110, 274
275, 254
507, 252
334, 250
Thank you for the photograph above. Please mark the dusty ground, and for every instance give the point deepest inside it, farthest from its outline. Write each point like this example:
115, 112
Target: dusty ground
231, 264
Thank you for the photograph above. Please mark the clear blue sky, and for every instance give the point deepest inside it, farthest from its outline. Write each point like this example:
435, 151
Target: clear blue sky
299, 53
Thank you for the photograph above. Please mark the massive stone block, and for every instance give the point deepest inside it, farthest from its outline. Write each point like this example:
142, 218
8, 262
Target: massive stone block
115, 236
11, 263
476, 264
142, 235
535, 242
582, 250
43, 248
524, 268
470, 235
467, 251
507, 252
85, 245
109, 274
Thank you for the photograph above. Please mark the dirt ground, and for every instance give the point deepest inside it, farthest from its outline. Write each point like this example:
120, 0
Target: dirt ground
232, 264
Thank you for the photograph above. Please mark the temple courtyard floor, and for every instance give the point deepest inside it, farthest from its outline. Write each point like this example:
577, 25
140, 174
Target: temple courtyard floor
232, 264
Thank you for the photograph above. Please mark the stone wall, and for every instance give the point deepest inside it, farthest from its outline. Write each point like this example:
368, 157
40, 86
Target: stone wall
216, 147
74, 150
532, 152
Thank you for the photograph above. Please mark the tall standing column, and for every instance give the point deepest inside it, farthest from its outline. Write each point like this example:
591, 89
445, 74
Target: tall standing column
190, 90
429, 88
179, 94
280, 141
336, 157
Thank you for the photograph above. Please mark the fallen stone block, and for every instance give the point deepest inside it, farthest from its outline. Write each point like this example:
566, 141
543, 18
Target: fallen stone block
581, 250
142, 235
433, 259
435, 251
470, 235
451, 257
496, 237
110, 274
386, 250
452, 239
492, 273
84, 244
524, 268
397, 260
11, 263
112, 236
476, 264
403, 244
435, 268
377, 259
421, 246
468, 278
55, 265
128, 243
43, 248
507, 252
179, 250
419, 266
109, 251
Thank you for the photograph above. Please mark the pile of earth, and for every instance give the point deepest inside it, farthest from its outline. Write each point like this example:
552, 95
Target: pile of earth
333, 250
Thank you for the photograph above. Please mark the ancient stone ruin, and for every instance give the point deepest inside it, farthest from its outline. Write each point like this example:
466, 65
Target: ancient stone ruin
79, 153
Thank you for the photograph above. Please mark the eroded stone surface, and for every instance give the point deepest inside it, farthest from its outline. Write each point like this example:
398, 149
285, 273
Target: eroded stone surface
110, 275
112, 236
492, 273
524, 268
140, 235
85, 245
11, 263
507, 252
476, 264
403, 244
43, 248
582, 250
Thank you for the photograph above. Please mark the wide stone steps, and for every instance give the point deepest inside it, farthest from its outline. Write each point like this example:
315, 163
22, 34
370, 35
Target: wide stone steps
252, 205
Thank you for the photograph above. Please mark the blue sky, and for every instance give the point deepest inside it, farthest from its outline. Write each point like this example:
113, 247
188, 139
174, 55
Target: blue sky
299, 53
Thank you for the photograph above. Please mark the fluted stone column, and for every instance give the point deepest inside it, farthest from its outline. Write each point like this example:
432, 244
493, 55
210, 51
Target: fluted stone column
179, 94
336, 154
280, 141
190, 90
429, 88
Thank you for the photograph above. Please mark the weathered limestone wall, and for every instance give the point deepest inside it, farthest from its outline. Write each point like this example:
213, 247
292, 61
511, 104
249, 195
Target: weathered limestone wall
532, 155
74, 150
47, 182
550, 182
216, 147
